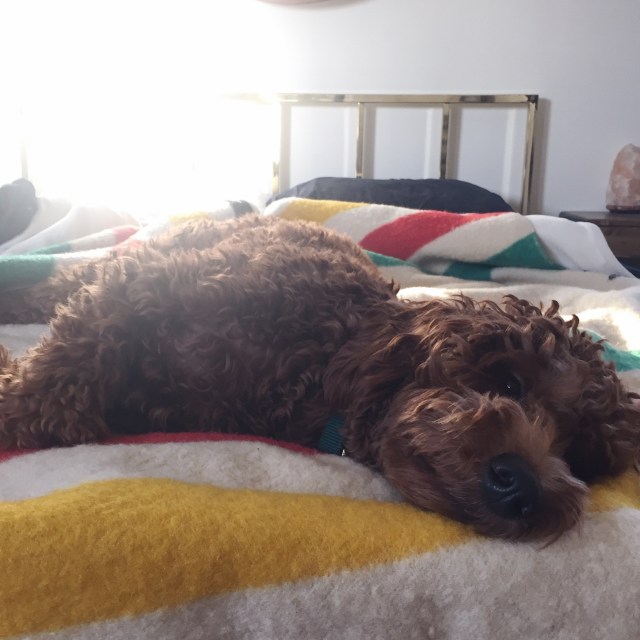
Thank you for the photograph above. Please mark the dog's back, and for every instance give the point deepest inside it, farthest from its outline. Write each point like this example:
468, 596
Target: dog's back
38, 303
230, 324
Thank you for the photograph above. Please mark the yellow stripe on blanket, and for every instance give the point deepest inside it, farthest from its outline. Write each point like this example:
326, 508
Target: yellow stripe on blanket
124, 547
616, 493
314, 210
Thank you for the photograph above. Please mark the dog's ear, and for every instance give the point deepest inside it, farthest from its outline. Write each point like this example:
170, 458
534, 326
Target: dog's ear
608, 437
375, 370
606, 448
603, 423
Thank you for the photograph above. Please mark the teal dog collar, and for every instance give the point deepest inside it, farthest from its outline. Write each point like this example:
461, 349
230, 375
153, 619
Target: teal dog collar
331, 439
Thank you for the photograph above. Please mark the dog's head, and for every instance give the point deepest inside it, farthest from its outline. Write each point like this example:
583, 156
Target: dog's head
508, 413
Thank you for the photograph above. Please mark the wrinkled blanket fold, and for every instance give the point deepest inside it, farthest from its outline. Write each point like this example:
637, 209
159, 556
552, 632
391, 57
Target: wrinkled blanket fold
490, 246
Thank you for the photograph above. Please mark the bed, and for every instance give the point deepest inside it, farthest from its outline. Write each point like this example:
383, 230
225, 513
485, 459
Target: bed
205, 535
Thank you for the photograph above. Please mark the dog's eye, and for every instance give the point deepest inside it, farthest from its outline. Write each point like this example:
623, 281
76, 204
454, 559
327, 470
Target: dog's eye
511, 386
500, 379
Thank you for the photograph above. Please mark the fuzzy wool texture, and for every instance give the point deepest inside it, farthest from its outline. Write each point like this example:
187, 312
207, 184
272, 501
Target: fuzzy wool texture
157, 550
471, 246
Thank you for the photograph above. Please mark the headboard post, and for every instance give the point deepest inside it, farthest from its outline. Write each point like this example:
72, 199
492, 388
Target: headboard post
527, 171
360, 140
444, 139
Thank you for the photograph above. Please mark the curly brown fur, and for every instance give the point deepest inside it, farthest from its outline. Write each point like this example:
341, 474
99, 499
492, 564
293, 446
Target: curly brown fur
270, 327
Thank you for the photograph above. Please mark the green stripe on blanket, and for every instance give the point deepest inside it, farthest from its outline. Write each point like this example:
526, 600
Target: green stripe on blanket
469, 271
27, 269
387, 261
526, 253
62, 247
22, 270
622, 360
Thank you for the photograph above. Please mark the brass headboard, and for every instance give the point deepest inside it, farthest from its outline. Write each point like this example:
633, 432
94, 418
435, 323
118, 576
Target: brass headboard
447, 103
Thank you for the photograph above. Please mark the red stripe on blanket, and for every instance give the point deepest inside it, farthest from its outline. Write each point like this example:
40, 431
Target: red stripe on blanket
404, 236
209, 436
120, 234
161, 438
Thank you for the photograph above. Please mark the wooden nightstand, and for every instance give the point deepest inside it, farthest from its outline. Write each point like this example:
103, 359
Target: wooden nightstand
621, 230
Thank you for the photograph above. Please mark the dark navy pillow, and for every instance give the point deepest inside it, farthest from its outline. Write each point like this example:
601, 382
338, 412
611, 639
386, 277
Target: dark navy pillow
455, 196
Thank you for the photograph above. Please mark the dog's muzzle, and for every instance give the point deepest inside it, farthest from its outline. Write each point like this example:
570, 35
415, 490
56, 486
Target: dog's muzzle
511, 487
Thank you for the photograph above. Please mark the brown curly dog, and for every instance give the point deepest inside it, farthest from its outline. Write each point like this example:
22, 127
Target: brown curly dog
495, 416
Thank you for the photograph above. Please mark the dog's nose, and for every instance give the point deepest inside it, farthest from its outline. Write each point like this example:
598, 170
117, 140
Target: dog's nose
511, 487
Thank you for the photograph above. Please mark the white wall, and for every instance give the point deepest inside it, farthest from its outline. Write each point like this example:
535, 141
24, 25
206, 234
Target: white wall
581, 56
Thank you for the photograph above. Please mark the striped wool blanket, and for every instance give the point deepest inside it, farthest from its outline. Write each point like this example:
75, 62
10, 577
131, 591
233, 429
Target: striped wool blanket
41, 259
201, 536
496, 246
190, 536
499, 247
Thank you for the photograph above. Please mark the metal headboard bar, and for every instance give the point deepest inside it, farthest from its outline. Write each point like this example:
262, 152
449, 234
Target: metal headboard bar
444, 139
527, 171
360, 140
362, 101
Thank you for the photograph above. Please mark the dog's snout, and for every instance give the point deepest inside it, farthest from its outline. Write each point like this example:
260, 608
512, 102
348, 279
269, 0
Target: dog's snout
511, 487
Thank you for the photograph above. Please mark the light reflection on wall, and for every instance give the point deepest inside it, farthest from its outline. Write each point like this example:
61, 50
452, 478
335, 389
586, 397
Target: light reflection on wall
152, 159
119, 101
